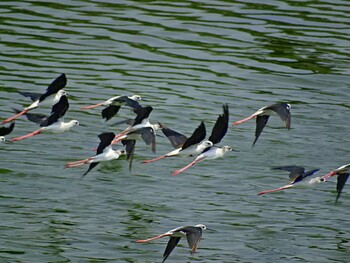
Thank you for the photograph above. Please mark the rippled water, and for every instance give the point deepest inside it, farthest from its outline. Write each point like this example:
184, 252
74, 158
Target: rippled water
185, 58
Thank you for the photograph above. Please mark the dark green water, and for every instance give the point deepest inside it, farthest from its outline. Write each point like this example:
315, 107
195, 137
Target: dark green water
185, 58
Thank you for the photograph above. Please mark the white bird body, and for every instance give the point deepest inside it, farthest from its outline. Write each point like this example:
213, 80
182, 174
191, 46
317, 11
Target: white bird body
116, 100
104, 153
60, 126
214, 153
108, 154
192, 150
49, 101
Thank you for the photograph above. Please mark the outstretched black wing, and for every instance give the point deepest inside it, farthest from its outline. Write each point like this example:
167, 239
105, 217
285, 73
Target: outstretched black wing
294, 170
342, 178
58, 111
59, 83
32, 96
220, 127
109, 112
260, 125
142, 113
105, 140
6, 130
129, 148
176, 139
283, 110
193, 235
173, 241
197, 136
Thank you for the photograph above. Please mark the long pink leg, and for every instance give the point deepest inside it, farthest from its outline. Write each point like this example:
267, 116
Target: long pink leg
155, 159
15, 116
119, 138
244, 120
77, 163
92, 106
27, 135
152, 238
276, 189
187, 166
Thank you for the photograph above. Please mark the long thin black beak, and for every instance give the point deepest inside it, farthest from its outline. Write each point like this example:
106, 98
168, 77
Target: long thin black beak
210, 229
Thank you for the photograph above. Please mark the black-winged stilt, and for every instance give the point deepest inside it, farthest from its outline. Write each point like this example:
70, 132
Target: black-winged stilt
104, 153
53, 123
114, 104
193, 235
296, 175
50, 97
184, 146
212, 152
262, 116
343, 173
141, 128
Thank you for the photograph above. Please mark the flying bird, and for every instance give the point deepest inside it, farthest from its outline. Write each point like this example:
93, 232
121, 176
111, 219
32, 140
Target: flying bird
263, 115
104, 153
343, 173
296, 175
212, 152
184, 146
6, 130
52, 95
114, 104
53, 123
140, 129
192, 233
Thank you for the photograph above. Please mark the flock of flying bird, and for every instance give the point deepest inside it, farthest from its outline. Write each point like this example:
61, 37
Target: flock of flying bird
140, 128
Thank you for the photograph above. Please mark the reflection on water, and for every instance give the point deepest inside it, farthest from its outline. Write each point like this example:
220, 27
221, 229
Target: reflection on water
185, 59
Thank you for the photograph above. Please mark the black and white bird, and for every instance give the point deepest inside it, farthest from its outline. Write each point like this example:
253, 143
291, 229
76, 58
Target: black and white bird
262, 116
296, 175
114, 104
53, 123
343, 173
212, 152
52, 95
193, 235
6, 130
104, 153
184, 146
140, 129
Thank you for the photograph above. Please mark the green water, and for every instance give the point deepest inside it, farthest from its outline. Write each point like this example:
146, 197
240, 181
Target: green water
185, 58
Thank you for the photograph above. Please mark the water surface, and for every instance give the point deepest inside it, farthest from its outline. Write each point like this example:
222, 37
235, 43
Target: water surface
185, 58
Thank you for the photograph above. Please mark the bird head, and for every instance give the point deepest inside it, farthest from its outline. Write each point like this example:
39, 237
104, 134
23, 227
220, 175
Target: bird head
74, 123
2, 139
317, 180
203, 227
122, 152
227, 148
61, 93
207, 144
135, 97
